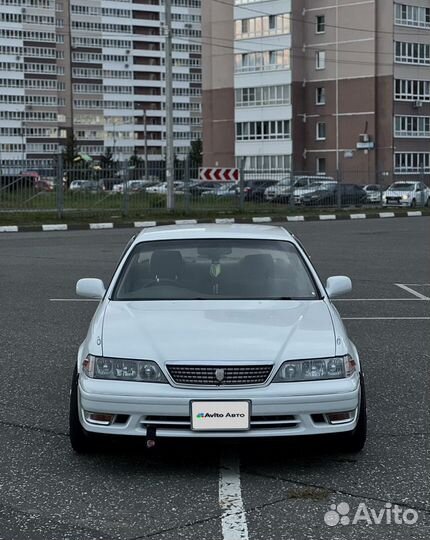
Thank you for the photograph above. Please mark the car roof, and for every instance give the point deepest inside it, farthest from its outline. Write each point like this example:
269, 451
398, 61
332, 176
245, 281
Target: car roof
244, 231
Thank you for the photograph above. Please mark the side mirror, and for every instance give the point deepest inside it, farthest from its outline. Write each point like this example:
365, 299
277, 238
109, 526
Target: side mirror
338, 286
90, 288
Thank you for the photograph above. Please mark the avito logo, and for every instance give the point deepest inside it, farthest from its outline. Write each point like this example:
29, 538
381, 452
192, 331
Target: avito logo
219, 415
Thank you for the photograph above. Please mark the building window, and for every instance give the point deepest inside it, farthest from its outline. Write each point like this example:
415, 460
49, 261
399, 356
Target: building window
320, 96
412, 126
412, 90
320, 24
412, 162
265, 163
270, 25
264, 95
416, 16
321, 131
321, 165
412, 53
263, 61
263, 131
320, 60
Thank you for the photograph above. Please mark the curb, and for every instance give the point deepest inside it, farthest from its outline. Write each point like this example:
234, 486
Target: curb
219, 221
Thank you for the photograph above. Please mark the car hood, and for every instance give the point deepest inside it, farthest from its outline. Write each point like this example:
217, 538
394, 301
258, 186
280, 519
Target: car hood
218, 330
397, 192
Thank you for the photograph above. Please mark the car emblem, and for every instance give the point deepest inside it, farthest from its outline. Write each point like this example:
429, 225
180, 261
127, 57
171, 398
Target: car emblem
219, 375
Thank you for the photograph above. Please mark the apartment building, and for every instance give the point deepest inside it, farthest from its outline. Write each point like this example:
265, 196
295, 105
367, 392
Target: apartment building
329, 87
95, 68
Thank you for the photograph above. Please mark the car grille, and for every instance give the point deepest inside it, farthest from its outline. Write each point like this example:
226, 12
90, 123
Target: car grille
231, 375
286, 421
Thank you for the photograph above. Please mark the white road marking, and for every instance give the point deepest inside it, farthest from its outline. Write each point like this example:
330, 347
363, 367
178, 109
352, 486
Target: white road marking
144, 224
358, 216
415, 214
97, 226
224, 221
262, 220
328, 217
295, 218
411, 291
386, 318
380, 299
9, 228
233, 520
186, 222
383, 215
73, 300
57, 227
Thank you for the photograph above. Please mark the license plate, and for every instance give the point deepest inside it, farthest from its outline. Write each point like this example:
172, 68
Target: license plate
220, 415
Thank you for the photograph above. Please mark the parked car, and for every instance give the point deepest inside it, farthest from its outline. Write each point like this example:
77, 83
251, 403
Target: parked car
332, 195
161, 188
407, 194
133, 186
44, 184
196, 189
373, 193
254, 190
300, 192
281, 192
86, 186
226, 190
215, 331
16, 182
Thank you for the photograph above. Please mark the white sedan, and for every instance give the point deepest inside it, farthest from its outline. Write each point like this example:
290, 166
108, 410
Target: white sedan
216, 331
410, 194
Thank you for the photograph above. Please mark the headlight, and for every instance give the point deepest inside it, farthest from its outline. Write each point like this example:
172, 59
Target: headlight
97, 367
405, 197
316, 370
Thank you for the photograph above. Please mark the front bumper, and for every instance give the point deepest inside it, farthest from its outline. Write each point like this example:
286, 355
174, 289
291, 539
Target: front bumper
400, 203
279, 409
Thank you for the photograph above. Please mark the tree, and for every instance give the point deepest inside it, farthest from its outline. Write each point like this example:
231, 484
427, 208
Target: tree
196, 153
136, 165
70, 151
107, 163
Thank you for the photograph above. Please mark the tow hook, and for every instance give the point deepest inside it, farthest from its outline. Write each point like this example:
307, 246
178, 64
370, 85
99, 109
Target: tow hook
151, 434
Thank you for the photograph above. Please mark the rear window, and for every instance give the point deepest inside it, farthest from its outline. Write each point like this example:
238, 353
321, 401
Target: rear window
215, 269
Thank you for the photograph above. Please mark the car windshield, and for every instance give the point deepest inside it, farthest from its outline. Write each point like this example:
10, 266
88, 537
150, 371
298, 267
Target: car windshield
215, 269
402, 187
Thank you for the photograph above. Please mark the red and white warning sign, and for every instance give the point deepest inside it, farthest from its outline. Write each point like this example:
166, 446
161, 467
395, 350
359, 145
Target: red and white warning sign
220, 174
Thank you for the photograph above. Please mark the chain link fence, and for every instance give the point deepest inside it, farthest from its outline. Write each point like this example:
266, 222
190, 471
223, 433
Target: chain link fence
121, 189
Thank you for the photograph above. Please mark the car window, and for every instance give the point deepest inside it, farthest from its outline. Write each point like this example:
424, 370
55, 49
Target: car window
215, 269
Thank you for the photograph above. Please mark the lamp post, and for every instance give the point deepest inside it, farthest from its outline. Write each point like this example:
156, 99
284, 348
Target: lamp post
145, 134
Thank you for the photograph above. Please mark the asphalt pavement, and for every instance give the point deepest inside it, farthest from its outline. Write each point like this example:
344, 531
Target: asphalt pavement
280, 489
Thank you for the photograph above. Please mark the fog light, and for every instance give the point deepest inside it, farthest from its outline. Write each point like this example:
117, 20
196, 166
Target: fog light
100, 419
340, 417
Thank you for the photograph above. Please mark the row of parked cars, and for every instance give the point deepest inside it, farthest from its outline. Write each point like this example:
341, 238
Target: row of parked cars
299, 190
319, 191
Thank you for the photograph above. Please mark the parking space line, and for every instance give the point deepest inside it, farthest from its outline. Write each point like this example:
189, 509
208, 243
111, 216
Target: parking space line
412, 291
386, 318
233, 520
73, 300
380, 299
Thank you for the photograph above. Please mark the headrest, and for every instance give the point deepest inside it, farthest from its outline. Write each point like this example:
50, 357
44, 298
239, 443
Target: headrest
259, 266
166, 264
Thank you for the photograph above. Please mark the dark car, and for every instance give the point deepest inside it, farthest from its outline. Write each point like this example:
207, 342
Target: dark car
16, 182
196, 189
254, 189
345, 194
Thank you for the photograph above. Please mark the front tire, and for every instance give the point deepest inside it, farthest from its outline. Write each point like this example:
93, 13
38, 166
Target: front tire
414, 204
81, 440
355, 440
